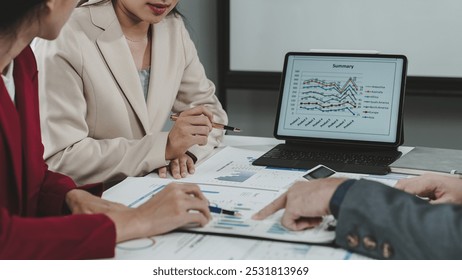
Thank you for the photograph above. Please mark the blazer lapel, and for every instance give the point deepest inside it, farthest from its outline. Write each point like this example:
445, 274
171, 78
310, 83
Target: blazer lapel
10, 123
165, 78
115, 51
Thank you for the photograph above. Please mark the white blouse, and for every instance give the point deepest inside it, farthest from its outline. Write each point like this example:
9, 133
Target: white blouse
9, 81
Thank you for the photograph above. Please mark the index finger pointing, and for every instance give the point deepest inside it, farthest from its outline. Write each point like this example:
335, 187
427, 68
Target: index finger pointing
271, 208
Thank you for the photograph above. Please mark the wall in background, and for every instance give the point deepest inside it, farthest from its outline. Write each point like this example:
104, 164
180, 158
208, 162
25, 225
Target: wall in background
428, 121
201, 22
262, 31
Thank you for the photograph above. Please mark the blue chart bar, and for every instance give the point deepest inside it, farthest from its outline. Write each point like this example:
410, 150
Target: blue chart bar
278, 229
146, 196
210, 192
232, 224
231, 221
237, 176
348, 256
302, 250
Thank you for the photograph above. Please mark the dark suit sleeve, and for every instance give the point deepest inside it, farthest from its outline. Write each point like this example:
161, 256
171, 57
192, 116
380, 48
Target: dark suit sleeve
382, 222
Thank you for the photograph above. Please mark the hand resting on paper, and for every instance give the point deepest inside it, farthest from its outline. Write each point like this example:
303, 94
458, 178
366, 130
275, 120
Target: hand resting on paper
179, 168
177, 205
438, 188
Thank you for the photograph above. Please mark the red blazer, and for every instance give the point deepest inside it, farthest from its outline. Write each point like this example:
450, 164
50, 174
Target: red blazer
31, 196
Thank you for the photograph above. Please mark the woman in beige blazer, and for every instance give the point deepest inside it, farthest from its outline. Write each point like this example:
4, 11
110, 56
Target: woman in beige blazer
110, 82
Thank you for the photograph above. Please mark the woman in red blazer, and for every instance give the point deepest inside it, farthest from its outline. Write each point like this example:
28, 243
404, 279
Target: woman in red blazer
34, 200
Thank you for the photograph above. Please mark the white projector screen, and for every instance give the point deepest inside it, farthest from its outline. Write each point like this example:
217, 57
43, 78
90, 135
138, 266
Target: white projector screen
428, 32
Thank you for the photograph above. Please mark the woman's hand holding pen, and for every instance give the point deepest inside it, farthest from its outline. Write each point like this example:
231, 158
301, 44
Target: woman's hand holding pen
190, 128
438, 188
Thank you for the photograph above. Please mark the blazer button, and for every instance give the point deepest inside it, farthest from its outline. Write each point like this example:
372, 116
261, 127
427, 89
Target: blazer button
352, 240
387, 250
369, 243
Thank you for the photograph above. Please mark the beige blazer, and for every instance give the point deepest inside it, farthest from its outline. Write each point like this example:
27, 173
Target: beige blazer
96, 124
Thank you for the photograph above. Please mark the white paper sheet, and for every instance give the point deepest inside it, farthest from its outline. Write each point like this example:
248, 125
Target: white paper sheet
134, 191
182, 246
233, 167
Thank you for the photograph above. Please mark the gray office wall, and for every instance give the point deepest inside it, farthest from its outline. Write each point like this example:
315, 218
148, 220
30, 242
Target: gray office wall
262, 32
201, 22
429, 121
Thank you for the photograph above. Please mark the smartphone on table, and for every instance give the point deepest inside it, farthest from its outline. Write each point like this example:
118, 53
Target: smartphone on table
319, 172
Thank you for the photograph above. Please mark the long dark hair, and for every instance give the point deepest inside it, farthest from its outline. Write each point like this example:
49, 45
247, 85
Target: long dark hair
16, 13
174, 11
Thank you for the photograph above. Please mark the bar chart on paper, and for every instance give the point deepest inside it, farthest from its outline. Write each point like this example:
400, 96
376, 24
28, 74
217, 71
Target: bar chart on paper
233, 167
247, 202
235, 172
